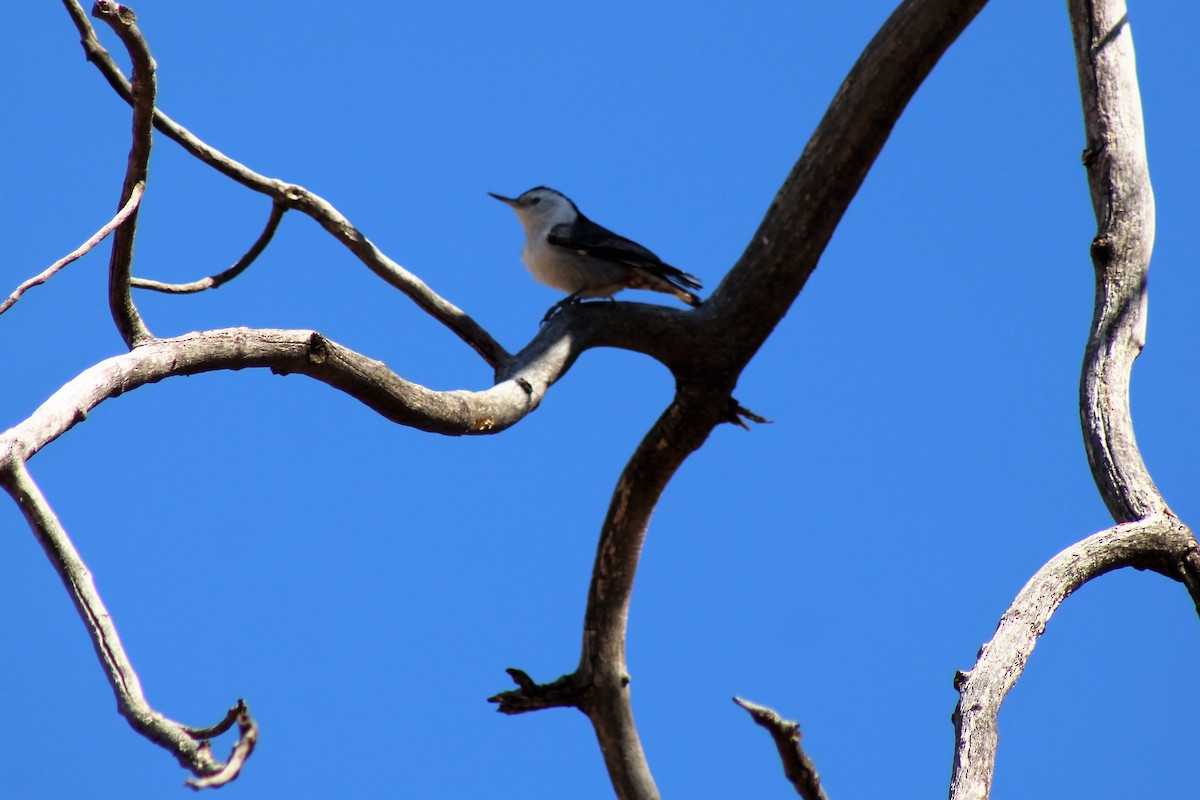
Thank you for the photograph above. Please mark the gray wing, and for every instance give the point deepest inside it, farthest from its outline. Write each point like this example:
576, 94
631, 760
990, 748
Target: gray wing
588, 238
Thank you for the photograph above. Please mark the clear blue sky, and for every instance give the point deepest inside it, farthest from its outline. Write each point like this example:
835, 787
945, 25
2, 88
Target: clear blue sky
365, 585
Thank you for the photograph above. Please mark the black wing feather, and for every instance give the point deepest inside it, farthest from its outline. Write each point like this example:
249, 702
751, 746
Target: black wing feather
590, 238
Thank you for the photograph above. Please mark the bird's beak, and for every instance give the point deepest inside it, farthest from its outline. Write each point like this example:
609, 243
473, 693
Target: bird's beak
506, 200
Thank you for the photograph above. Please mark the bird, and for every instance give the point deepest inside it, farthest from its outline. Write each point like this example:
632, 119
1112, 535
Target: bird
567, 251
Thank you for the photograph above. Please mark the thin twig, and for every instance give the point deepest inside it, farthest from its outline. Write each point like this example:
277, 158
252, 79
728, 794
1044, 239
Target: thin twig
797, 766
297, 197
213, 281
247, 740
213, 731
130, 206
192, 753
120, 300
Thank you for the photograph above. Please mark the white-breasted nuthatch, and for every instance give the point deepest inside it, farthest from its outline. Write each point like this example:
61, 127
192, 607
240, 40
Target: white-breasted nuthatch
567, 251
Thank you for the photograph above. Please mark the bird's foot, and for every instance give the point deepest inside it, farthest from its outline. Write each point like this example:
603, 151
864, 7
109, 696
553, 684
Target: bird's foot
569, 300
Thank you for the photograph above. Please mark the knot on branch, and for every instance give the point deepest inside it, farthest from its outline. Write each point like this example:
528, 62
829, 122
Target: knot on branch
1102, 250
113, 12
566, 692
318, 349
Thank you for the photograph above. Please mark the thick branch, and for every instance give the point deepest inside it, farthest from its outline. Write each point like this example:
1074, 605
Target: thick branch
1148, 536
785, 249
453, 413
600, 684
1162, 545
679, 432
517, 392
728, 330
125, 314
1123, 201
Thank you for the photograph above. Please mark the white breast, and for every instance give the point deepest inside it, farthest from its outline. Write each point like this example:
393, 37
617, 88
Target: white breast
571, 272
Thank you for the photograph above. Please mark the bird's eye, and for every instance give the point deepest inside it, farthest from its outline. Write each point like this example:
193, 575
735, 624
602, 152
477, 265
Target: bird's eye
535, 201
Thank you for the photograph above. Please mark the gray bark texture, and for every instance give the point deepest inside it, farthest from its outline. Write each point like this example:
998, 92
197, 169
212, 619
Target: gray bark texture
706, 349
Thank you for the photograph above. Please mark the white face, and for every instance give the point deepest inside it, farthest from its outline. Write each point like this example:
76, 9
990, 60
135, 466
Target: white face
542, 207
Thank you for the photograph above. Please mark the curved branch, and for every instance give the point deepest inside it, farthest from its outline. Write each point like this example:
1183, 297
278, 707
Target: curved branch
1123, 200
246, 742
1163, 545
785, 249
135, 197
729, 328
125, 314
680, 431
453, 413
718, 340
189, 745
303, 200
599, 686
213, 281
518, 389
1148, 536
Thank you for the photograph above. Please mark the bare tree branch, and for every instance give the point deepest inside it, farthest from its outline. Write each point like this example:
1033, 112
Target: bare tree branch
192, 752
1161, 544
797, 766
785, 249
1147, 536
246, 742
130, 206
680, 431
1123, 200
599, 686
98, 55
297, 197
706, 351
454, 413
125, 314
728, 329
213, 281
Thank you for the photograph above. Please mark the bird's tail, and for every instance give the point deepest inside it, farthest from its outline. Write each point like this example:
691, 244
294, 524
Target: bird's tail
691, 298
674, 281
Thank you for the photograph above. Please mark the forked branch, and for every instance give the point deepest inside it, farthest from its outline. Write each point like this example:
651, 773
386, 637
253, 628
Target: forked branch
297, 197
727, 331
599, 686
1148, 535
707, 352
